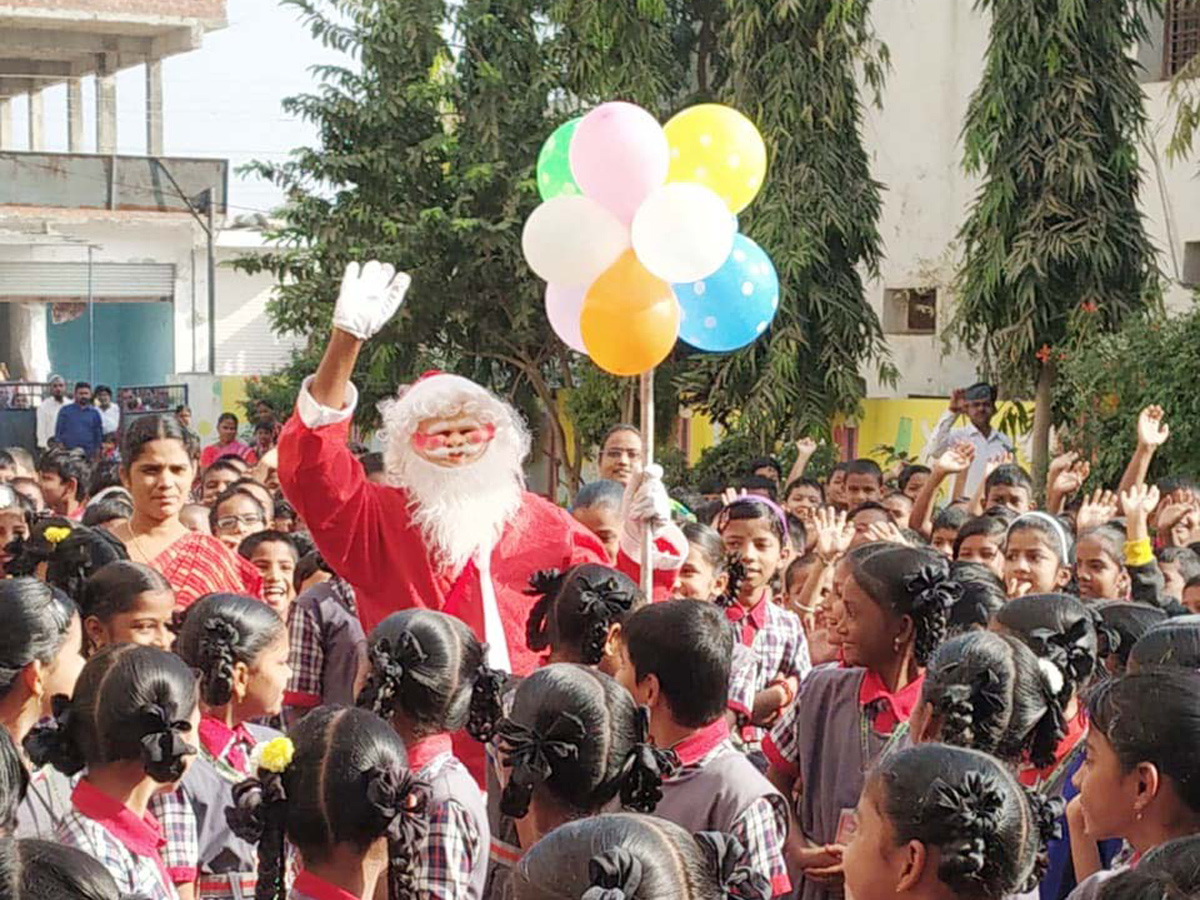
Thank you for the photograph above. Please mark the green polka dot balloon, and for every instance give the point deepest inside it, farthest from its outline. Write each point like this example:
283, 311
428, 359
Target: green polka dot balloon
554, 163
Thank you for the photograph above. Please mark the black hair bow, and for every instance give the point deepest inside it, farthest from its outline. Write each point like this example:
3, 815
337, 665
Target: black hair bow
1047, 815
645, 769
615, 874
604, 597
531, 756
545, 582
1068, 650
727, 856
220, 631
161, 739
399, 800
972, 808
932, 588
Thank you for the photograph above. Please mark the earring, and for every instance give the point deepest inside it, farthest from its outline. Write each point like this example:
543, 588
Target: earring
896, 645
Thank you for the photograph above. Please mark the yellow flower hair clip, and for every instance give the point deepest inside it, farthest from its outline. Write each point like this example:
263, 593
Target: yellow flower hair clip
273, 756
56, 534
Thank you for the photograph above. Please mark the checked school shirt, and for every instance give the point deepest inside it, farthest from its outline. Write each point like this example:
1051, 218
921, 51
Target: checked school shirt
779, 649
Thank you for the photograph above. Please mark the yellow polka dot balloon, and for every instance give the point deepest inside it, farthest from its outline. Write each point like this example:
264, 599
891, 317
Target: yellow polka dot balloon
718, 147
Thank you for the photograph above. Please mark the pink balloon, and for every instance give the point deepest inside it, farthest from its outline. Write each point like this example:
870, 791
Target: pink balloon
619, 154
564, 305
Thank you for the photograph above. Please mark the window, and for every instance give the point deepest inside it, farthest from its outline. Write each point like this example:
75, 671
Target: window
1191, 264
910, 310
1181, 38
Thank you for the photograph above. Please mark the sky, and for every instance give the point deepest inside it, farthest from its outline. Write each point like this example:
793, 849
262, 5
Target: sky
222, 100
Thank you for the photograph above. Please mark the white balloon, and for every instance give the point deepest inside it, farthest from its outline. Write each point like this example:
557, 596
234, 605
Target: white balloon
570, 240
683, 232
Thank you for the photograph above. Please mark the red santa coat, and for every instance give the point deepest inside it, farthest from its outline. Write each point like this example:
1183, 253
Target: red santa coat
366, 534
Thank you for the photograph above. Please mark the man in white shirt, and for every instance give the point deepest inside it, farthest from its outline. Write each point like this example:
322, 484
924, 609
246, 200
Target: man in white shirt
978, 404
47, 414
110, 413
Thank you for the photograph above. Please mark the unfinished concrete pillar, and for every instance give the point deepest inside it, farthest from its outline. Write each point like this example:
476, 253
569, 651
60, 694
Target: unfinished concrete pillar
37, 121
154, 108
75, 139
6, 125
106, 109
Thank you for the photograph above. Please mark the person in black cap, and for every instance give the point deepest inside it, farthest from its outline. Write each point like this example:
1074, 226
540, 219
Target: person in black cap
978, 404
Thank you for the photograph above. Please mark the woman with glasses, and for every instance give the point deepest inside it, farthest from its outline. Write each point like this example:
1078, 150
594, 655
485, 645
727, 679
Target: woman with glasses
157, 469
236, 515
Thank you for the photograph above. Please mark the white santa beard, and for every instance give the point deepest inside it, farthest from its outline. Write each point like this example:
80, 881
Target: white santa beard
461, 510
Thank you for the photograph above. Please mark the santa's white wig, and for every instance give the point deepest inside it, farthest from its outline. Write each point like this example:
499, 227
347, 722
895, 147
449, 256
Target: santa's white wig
460, 510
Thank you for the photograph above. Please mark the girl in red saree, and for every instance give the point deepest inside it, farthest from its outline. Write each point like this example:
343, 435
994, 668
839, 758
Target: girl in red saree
157, 470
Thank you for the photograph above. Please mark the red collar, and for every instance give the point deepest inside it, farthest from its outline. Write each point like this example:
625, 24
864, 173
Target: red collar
699, 744
422, 752
896, 707
143, 837
1076, 729
222, 742
309, 885
752, 619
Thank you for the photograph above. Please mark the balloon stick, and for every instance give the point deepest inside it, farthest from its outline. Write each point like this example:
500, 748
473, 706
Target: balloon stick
646, 392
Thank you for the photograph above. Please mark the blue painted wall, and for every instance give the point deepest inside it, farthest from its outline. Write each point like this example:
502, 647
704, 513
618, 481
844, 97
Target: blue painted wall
134, 344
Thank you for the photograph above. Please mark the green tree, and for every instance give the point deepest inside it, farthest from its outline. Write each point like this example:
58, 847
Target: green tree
1055, 252
794, 69
426, 156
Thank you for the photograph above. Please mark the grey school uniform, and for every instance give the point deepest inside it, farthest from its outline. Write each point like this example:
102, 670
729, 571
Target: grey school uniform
327, 649
454, 855
46, 802
825, 738
227, 866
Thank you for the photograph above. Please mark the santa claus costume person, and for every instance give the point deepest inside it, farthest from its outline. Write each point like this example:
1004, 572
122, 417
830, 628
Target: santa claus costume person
453, 529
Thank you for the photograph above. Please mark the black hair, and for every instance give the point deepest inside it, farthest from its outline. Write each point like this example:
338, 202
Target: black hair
635, 857
265, 426
982, 596
1184, 557
221, 630
907, 473
985, 526
797, 533
909, 581
1059, 539
765, 462
106, 474
429, 669
304, 545
1127, 622
234, 490
223, 464
688, 647
865, 467
1058, 628
106, 510
952, 518
1111, 536
14, 782
284, 510
990, 693
989, 831
599, 493
372, 463
762, 484
131, 702
310, 564
252, 542
80, 384
102, 388
804, 481
1009, 475
45, 870
1170, 871
358, 449
750, 508
706, 539
111, 590
575, 735
227, 417
1153, 716
1173, 643
617, 429
7, 460
348, 782
69, 560
37, 618
1003, 513
575, 610
798, 563
838, 467
145, 429
868, 506
68, 465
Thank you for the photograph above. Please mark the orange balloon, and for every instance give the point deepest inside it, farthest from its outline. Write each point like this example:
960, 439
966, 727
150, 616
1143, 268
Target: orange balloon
629, 341
627, 285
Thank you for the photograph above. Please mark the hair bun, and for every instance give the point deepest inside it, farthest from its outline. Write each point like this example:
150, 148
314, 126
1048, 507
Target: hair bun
400, 801
932, 588
600, 602
645, 769
51, 742
727, 856
615, 874
530, 757
255, 802
486, 707
974, 810
163, 749
391, 663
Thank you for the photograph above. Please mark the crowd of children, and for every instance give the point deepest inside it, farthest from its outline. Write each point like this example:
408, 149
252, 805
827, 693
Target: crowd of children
924, 685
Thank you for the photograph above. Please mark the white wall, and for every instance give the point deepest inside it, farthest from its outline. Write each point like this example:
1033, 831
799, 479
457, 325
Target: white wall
938, 49
245, 343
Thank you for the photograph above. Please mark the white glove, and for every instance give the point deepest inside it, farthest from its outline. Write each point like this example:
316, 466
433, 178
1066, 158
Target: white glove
646, 505
368, 298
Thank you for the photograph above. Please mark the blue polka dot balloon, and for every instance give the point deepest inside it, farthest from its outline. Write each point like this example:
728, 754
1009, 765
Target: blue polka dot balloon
733, 306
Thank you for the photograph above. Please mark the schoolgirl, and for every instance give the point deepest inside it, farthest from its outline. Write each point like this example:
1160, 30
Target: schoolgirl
42, 870
1175, 642
1124, 625
1038, 555
894, 605
127, 602
704, 574
239, 647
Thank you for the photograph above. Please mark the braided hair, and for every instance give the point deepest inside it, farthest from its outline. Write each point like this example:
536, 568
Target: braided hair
1060, 629
988, 693
347, 782
69, 561
988, 830
430, 670
576, 608
131, 702
909, 581
575, 738
221, 630
623, 856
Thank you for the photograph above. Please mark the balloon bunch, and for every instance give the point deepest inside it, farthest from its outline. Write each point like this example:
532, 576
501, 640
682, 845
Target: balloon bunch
638, 237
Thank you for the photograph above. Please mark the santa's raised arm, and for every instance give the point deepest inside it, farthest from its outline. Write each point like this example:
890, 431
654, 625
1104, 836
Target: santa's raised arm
454, 528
